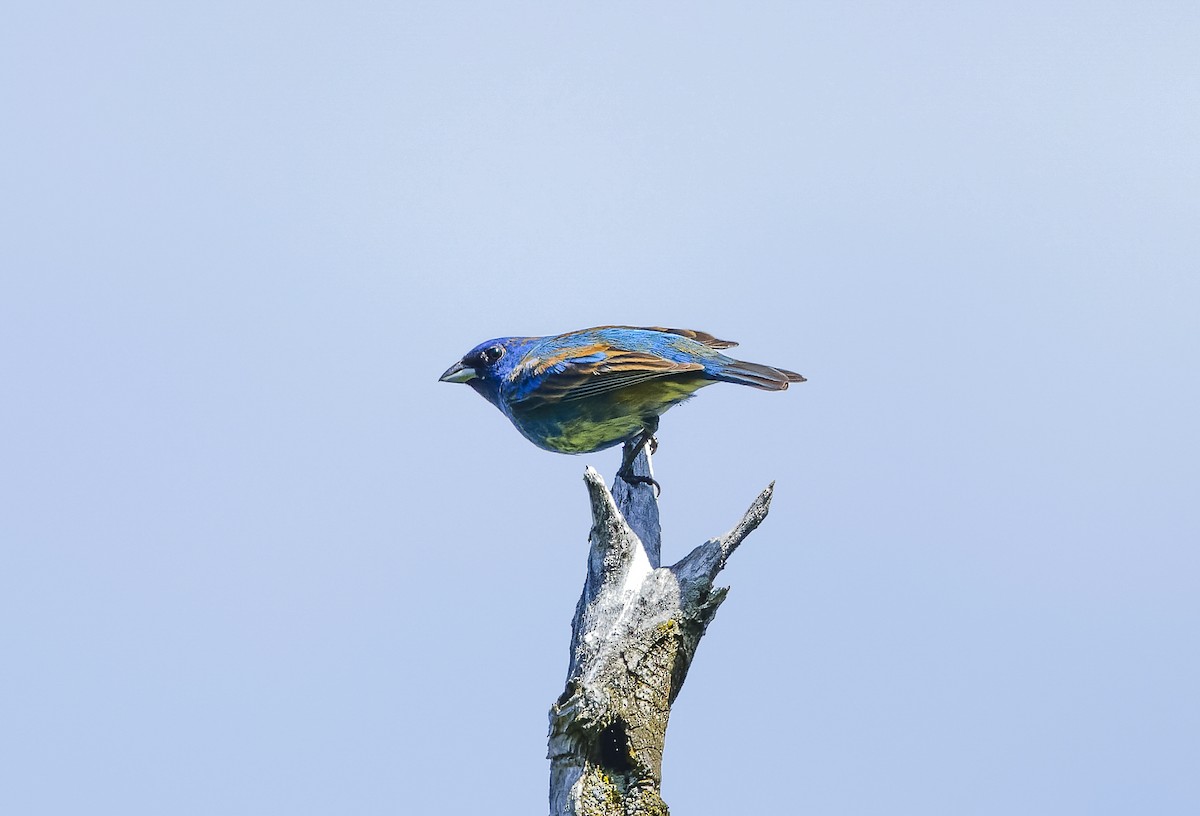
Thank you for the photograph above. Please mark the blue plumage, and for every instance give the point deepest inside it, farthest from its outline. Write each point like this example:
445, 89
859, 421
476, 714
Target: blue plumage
587, 390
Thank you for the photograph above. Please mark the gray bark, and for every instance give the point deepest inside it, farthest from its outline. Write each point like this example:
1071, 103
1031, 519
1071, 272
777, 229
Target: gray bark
635, 632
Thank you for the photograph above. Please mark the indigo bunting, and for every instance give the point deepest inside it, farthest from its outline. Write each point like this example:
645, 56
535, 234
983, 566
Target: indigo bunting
587, 390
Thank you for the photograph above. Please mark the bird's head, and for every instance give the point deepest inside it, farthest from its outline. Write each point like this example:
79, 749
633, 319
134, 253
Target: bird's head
485, 366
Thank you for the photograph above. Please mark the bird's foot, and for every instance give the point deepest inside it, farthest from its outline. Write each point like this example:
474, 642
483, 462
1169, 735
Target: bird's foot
633, 479
633, 448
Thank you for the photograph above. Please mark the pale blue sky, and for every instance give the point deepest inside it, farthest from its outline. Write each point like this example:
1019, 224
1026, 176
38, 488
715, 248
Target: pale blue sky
254, 559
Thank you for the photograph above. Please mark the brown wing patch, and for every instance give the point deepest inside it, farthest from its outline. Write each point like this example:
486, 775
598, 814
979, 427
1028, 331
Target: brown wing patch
620, 368
544, 363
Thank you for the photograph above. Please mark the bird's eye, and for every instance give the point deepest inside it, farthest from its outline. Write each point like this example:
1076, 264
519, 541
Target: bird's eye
491, 354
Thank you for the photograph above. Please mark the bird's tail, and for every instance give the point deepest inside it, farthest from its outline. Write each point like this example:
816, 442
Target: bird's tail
759, 376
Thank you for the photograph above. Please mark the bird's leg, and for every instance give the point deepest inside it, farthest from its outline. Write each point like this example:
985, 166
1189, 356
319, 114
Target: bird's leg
630, 453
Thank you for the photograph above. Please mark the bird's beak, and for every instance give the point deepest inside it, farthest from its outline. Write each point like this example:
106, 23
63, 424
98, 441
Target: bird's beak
458, 373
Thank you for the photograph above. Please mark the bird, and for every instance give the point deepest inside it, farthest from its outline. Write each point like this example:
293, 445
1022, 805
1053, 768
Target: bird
591, 389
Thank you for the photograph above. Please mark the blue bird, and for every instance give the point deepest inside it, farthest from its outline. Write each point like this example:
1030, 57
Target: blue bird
588, 390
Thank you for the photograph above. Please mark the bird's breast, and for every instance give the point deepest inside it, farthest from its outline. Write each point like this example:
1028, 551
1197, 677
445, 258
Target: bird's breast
601, 421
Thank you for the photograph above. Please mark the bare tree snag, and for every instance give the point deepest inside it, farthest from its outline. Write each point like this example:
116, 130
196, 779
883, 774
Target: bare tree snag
635, 631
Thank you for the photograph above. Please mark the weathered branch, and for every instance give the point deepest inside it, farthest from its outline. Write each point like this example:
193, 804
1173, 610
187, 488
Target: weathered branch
635, 632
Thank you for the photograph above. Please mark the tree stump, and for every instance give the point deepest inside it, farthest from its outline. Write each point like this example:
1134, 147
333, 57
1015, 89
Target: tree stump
633, 637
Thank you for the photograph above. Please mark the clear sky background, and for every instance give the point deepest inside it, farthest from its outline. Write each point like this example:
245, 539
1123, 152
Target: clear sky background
255, 559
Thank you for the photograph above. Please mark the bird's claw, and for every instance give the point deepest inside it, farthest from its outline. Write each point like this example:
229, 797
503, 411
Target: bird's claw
632, 449
632, 479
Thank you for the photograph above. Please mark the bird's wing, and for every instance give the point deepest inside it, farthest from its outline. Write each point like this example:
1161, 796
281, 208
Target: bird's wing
583, 371
703, 338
